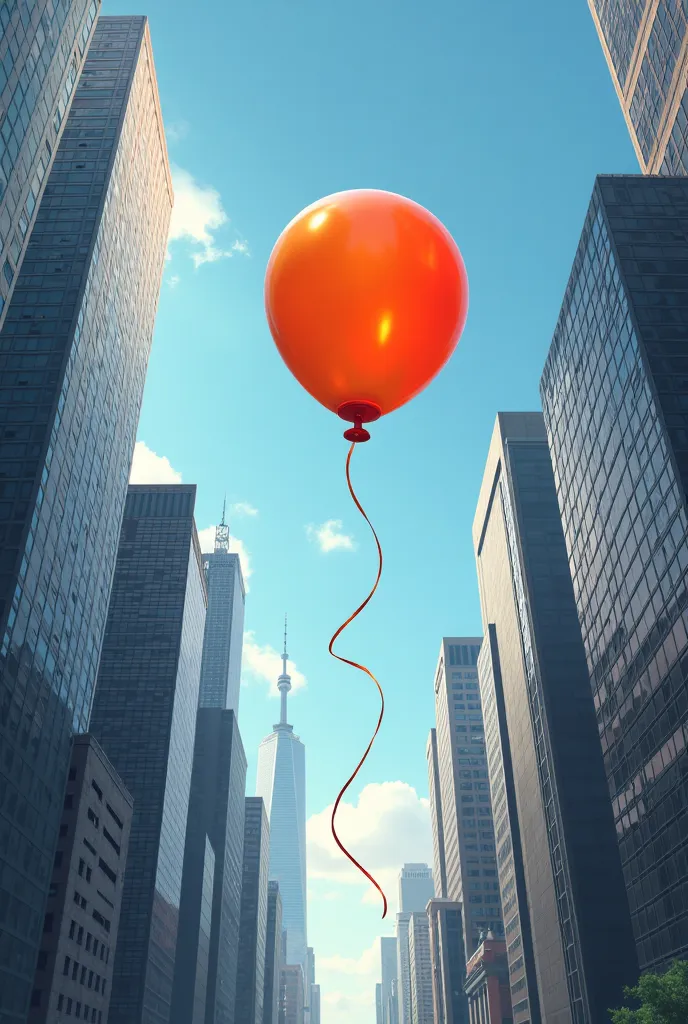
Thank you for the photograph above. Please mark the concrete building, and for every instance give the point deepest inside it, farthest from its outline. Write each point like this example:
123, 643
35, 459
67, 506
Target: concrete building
378, 1004
447, 961
273, 956
416, 887
80, 346
224, 625
487, 983
614, 393
250, 985
315, 1004
388, 968
74, 974
469, 841
646, 47
144, 717
420, 969
292, 995
281, 782
214, 831
438, 855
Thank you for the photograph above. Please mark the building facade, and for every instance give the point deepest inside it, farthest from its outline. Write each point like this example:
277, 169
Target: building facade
215, 819
447, 961
438, 855
74, 973
420, 969
378, 1003
281, 783
388, 973
292, 1009
487, 983
224, 625
646, 47
75, 346
315, 1004
254, 914
465, 790
144, 717
614, 394
42, 52
416, 888
273, 956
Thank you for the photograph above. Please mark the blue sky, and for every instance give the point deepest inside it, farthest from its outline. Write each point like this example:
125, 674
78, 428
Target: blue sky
496, 116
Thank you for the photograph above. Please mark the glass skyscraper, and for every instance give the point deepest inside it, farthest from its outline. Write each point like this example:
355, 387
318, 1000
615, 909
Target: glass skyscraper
469, 842
224, 626
571, 928
144, 717
281, 783
73, 357
250, 987
615, 400
645, 47
273, 956
42, 49
416, 889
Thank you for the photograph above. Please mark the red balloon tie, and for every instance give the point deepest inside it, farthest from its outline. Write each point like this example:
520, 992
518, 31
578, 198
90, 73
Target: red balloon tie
362, 668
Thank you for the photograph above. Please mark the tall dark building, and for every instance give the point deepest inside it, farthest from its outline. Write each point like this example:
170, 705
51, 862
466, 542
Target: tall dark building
42, 51
448, 962
216, 818
615, 399
273, 955
224, 625
144, 717
439, 863
579, 921
254, 914
645, 48
74, 973
73, 356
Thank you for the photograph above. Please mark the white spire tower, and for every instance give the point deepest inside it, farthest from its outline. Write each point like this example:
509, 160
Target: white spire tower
284, 681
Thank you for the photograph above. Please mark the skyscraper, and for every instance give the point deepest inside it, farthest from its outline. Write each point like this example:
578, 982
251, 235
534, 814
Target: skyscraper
315, 1004
254, 915
224, 625
469, 841
41, 56
292, 994
378, 1004
273, 955
420, 969
215, 820
310, 980
487, 983
614, 393
282, 785
579, 918
645, 48
416, 888
75, 344
439, 862
144, 717
448, 962
388, 973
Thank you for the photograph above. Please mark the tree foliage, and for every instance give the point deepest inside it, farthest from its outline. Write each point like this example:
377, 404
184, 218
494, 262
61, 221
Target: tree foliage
660, 998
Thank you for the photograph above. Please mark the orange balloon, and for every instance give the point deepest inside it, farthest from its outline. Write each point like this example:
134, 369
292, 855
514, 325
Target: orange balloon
366, 296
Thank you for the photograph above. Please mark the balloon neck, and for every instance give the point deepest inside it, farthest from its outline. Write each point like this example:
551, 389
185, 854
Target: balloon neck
358, 413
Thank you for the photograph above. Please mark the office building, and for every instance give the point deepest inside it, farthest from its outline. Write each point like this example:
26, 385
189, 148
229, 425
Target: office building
392, 1006
282, 785
403, 969
378, 1004
469, 842
292, 1011
388, 974
579, 920
224, 625
144, 717
315, 1004
42, 53
416, 888
645, 48
273, 956
614, 394
438, 858
448, 962
214, 839
487, 983
309, 982
75, 349
254, 914
420, 969
74, 973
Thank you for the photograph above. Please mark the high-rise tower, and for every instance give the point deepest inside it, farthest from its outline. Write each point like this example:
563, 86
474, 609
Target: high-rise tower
282, 784
74, 346
224, 625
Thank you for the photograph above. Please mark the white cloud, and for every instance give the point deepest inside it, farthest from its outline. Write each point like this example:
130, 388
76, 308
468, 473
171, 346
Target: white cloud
197, 216
348, 986
388, 827
242, 508
329, 536
173, 281
206, 539
149, 468
262, 663
177, 130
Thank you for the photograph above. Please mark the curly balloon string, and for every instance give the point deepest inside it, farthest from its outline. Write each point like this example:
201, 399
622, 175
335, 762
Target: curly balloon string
362, 668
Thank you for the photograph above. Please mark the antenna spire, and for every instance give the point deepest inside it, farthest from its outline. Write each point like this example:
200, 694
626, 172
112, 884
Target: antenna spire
224, 509
284, 681
222, 531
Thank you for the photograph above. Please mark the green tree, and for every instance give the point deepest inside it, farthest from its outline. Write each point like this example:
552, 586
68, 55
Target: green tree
663, 998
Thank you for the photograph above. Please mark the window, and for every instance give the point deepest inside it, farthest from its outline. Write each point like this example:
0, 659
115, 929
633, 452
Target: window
91, 849
88, 942
115, 818
72, 929
97, 916
82, 979
65, 969
93, 818
82, 866
97, 789
79, 900
111, 841
90, 979
75, 970
48, 923
60, 1002
72, 774
80, 936
95, 947
107, 870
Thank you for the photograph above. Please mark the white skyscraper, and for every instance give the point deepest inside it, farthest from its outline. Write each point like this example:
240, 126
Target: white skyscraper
224, 625
416, 889
282, 784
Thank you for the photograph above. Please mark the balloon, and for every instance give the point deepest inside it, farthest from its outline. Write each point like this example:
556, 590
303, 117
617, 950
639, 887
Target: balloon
366, 296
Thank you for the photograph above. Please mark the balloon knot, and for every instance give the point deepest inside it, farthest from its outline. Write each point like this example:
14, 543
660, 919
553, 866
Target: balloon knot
358, 413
